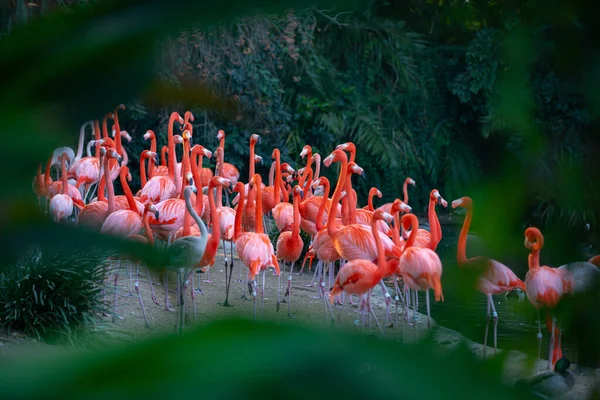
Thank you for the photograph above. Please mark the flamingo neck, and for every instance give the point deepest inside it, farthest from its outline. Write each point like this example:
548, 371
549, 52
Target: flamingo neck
272, 173
237, 228
413, 232
147, 228
319, 221
118, 144
47, 178
405, 192
127, 190
109, 186
317, 159
151, 165
258, 222
372, 193
332, 228
63, 172
381, 263
296, 224
533, 259
196, 164
351, 199
163, 156
461, 250
80, 143
97, 136
277, 183
214, 217
220, 165
396, 229
185, 164
143, 178
433, 225
171, 143
104, 127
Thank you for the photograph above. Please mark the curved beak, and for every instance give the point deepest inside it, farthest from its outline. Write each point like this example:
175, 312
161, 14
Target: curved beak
363, 175
194, 187
156, 214
155, 158
301, 194
119, 160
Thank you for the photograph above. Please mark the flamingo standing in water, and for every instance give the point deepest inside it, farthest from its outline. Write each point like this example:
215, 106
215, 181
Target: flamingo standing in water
545, 287
359, 276
289, 244
420, 268
493, 276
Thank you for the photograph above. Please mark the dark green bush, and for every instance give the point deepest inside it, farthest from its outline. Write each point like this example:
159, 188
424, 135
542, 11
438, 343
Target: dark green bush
52, 296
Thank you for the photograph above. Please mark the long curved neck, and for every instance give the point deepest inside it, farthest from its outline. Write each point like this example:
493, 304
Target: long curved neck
214, 217
413, 232
251, 165
237, 228
185, 163
190, 209
317, 159
307, 184
118, 144
127, 190
396, 229
109, 186
319, 221
163, 156
104, 126
151, 165
381, 264
222, 143
433, 225
405, 192
80, 143
461, 250
277, 183
47, 178
147, 228
88, 149
220, 164
196, 163
143, 178
372, 193
533, 259
272, 173
332, 229
296, 224
351, 200
258, 222
97, 136
63, 172
171, 143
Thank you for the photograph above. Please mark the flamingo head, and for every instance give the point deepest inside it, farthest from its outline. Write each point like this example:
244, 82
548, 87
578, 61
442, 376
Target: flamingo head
336, 155
218, 153
189, 178
258, 158
275, 153
149, 207
188, 116
298, 191
356, 169
534, 240
379, 194
188, 189
285, 167
382, 215
220, 134
150, 154
220, 181
410, 181
255, 139
464, 202
399, 206
112, 153
409, 221
207, 153
186, 135
348, 146
149, 134
239, 187
305, 150
322, 181
256, 180
435, 196
301, 171
178, 139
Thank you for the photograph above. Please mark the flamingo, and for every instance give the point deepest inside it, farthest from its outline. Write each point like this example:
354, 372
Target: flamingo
493, 276
124, 222
152, 164
353, 241
372, 193
433, 238
595, 260
226, 216
152, 158
289, 244
248, 216
420, 268
283, 212
94, 214
228, 171
186, 252
256, 250
408, 181
61, 205
76, 157
359, 276
545, 288
160, 188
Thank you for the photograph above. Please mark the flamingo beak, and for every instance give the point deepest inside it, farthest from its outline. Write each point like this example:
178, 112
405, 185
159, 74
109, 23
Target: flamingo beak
119, 160
193, 187
156, 214
456, 203
301, 192
155, 159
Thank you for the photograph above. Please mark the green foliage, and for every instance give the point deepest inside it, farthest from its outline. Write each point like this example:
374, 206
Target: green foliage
52, 296
261, 360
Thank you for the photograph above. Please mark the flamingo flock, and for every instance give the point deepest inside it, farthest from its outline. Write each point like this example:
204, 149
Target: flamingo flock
180, 206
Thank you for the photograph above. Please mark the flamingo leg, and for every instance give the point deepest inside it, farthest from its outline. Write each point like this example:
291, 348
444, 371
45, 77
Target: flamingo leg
262, 294
495, 316
166, 287
388, 304
415, 296
289, 289
312, 283
193, 295
487, 324
428, 310
252, 287
180, 278
116, 295
279, 288
539, 338
137, 290
207, 280
151, 286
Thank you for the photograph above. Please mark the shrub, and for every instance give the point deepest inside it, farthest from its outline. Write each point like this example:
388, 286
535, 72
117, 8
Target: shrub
52, 296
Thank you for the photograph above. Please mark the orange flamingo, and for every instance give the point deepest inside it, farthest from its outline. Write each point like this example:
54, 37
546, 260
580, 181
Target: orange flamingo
248, 216
420, 268
353, 241
283, 212
124, 222
289, 244
152, 158
426, 238
372, 193
229, 171
360, 276
61, 205
226, 217
493, 276
153, 164
545, 288
408, 181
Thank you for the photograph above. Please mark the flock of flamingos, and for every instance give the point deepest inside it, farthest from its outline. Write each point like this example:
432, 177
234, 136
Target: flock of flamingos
178, 200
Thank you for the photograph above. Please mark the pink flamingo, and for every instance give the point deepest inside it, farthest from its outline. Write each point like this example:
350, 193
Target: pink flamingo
248, 216
408, 181
160, 188
124, 222
61, 205
257, 251
493, 276
153, 164
289, 244
283, 212
420, 268
372, 193
545, 287
360, 276
226, 217
229, 171
426, 238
